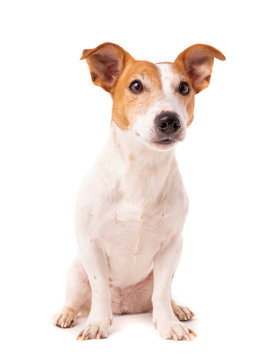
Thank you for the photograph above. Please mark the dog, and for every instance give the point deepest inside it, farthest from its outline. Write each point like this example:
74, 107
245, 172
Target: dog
132, 206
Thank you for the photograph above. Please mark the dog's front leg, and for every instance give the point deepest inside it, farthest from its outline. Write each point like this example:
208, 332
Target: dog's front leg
165, 264
95, 263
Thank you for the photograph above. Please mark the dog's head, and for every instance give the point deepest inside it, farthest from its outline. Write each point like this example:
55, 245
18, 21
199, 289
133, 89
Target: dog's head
153, 101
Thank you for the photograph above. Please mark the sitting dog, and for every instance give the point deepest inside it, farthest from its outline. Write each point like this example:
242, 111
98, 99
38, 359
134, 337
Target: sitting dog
132, 206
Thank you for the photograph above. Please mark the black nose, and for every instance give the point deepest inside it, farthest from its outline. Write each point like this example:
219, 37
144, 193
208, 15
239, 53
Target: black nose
167, 122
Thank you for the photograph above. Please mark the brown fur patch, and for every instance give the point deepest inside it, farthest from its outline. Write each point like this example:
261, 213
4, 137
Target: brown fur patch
126, 105
69, 309
114, 69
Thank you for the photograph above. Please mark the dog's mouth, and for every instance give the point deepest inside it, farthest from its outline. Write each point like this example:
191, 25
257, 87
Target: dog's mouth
162, 143
166, 141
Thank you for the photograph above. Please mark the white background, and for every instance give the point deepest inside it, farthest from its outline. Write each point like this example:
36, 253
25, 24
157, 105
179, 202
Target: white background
54, 122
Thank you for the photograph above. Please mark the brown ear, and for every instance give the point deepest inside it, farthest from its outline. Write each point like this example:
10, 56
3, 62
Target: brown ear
106, 62
198, 62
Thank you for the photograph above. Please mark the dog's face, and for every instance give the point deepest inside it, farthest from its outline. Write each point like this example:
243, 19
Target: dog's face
153, 101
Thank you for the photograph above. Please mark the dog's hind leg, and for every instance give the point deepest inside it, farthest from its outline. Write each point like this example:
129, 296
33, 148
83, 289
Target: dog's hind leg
78, 295
138, 299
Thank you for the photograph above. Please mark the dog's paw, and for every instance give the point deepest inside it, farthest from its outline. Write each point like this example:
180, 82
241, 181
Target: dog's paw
66, 319
183, 313
93, 331
174, 330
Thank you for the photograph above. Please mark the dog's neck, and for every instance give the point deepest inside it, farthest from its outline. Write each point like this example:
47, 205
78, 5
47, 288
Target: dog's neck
132, 150
141, 170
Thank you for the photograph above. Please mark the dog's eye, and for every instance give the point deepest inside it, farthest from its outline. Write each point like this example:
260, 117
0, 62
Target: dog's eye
136, 87
184, 88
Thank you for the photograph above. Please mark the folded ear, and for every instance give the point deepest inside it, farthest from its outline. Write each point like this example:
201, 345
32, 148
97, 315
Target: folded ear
198, 62
106, 62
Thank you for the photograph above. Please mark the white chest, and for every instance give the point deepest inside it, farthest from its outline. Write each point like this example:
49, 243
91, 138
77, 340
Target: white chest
132, 210
132, 234
132, 243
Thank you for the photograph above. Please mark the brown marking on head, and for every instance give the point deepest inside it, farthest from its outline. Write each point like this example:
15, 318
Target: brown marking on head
114, 69
127, 105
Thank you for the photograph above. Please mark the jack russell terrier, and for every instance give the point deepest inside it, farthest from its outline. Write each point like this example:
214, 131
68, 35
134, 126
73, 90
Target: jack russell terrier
132, 206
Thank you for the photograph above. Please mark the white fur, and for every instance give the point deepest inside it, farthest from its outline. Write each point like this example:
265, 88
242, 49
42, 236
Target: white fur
130, 215
169, 101
129, 205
